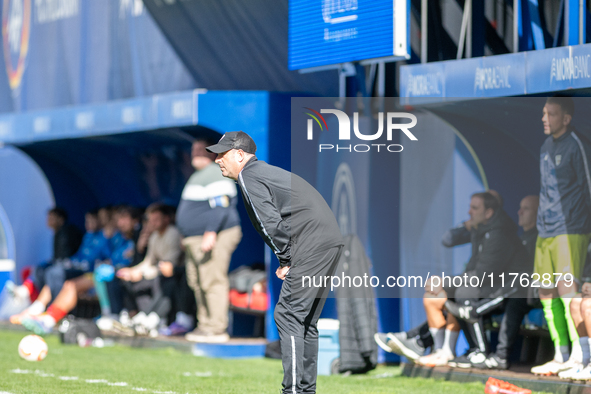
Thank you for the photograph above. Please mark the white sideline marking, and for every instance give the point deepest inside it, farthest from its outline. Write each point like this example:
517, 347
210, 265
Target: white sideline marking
42, 374
20, 371
205, 374
94, 381
384, 375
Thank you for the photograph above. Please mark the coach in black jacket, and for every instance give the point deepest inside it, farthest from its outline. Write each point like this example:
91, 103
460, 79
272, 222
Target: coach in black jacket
296, 223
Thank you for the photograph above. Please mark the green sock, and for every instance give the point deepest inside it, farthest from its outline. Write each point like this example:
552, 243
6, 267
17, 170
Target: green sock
555, 317
103, 296
572, 329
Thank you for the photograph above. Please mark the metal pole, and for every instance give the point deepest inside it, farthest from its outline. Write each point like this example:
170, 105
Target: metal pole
424, 32
516, 18
342, 88
381, 85
469, 29
381, 79
463, 30
346, 70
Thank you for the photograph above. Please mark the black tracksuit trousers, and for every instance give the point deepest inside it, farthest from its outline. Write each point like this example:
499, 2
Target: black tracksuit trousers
296, 314
515, 310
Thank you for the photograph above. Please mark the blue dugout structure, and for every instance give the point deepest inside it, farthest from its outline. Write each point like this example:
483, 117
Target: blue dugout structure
97, 155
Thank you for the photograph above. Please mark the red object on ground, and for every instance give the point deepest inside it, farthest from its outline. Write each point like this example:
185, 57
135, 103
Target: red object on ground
256, 301
496, 386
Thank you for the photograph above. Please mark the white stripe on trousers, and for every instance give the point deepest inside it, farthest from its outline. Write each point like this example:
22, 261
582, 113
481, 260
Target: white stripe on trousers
293, 366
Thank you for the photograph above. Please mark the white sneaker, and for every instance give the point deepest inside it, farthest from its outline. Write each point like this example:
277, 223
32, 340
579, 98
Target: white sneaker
198, 335
124, 319
10, 287
550, 368
138, 319
22, 293
575, 368
11, 303
437, 359
151, 321
105, 323
584, 374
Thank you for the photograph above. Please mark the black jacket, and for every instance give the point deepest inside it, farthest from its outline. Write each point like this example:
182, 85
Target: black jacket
528, 240
290, 215
66, 241
456, 236
496, 249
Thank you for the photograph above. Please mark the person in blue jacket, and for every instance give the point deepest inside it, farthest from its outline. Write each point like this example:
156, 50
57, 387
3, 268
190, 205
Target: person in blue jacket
94, 247
122, 249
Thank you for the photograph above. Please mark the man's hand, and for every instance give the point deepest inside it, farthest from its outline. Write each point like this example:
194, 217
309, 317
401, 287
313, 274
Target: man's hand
208, 242
468, 225
282, 272
166, 268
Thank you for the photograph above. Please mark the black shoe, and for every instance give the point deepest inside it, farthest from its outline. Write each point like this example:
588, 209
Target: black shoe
465, 361
407, 347
492, 362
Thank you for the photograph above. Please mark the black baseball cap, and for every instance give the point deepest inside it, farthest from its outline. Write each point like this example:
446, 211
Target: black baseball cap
234, 140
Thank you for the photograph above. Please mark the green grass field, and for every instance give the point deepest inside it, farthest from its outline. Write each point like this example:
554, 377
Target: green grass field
119, 369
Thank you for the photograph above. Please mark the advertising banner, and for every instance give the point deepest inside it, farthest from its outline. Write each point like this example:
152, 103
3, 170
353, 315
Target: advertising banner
72, 52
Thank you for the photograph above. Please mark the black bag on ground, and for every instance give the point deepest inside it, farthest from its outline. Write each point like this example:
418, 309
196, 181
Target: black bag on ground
73, 330
243, 278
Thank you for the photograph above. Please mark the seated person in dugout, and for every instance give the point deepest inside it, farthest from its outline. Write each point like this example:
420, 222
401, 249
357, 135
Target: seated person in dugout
151, 291
94, 248
121, 255
515, 298
66, 241
495, 248
517, 305
414, 343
